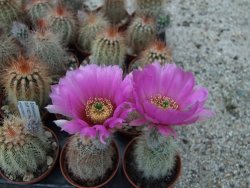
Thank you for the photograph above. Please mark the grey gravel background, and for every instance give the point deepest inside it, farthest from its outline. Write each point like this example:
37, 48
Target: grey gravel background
212, 39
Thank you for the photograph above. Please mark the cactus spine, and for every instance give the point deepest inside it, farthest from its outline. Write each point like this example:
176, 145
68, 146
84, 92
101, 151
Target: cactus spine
149, 7
48, 48
141, 33
38, 9
9, 12
26, 79
115, 11
154, 155
8, 50
62, 23
89, 159
89, 29
20, 152
109, 48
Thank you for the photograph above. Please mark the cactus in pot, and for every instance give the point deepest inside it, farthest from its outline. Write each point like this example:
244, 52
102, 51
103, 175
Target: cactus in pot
62, 23
89, 29
115, 11
26, 79
21, 152
141, 33
109, 48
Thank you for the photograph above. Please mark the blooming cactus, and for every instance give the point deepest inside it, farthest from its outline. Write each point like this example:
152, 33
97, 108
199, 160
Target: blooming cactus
94, 97
166, 96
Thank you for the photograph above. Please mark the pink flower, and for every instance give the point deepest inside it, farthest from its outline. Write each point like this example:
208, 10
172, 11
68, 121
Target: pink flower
94, 97
167, 96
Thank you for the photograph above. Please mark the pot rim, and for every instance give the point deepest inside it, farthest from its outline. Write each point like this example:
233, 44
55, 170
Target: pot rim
125, 169
72, 182
46, 173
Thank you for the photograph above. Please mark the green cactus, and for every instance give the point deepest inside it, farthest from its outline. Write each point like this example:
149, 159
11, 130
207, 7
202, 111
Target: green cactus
9, 12
26, 79
21, 32
48, 48
149, 7
20, 151
89, 159
115, 11
38, 9
141, 33
62, 23
74, 5
9, 49
89, 29
154, 155
109, 48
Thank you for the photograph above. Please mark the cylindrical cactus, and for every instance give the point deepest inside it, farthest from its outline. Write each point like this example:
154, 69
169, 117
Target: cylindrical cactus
115, 11
149, 7
48, 48
38, 9
20, 151
91, 26
89, 159
154, 155
9, 12
9, 49
141, 33
62, 23
109, 48
26, 79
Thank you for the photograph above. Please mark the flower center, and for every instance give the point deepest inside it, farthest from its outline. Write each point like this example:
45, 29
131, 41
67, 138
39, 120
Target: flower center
164, 102
98, 110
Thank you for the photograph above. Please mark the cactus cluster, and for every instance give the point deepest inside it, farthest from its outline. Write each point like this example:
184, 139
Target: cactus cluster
89, 159
154, 155
141, 33
9, 12
62, 23
26, 79
115, 11
89, 29
9, 49
38, 9
48, 48
149, 7
109, 48
20, 152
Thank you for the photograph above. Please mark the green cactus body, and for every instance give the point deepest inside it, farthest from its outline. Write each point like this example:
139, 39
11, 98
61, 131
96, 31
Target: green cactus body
115, 11
89, 159
38, 9
109, 48
9, 12
9, 49
26, 79
21, 32
89, 29
149, 7
73, 4
154, 155
48, 48
62, 23
20, 152
141, 33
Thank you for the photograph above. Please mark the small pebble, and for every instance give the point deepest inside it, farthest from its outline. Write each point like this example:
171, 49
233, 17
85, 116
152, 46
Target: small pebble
50, 160
28, 177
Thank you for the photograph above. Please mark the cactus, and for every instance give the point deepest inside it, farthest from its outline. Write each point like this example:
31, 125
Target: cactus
9, 49
62, 23
115, 11
74, 5
109, 48
21, 32
38, 9
141, 33
20, 151
89, 29
9, 12
149, 7
26, 79
89, 159
154, 155
48, 48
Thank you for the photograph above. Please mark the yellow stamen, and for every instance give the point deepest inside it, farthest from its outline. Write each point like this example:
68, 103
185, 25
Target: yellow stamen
164, 102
